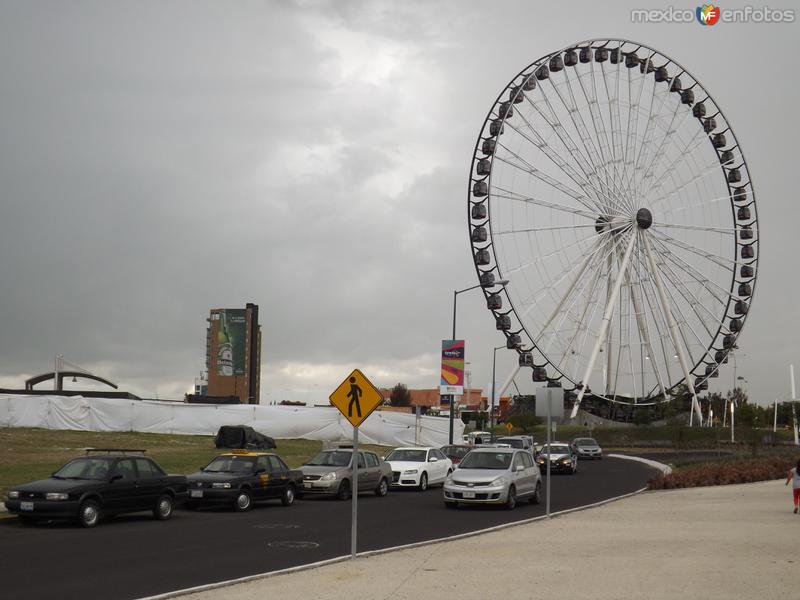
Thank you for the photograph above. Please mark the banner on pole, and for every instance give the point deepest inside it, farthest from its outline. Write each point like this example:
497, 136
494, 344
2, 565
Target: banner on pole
452, 380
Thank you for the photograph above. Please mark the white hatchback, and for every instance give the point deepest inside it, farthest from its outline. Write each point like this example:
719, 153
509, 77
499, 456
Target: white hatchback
418, 467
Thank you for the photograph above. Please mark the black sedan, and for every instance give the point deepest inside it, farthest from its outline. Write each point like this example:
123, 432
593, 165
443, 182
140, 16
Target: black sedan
104, 482
240, 478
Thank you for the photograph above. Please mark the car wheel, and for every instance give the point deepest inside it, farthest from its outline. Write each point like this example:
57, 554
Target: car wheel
343, 493
511, 500
89, 513
383, 487
164, 507
537, 494
423, 482
287, 498
449, 504
243, 501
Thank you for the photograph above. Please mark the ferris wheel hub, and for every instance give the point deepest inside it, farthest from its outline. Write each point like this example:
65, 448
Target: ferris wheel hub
644, 218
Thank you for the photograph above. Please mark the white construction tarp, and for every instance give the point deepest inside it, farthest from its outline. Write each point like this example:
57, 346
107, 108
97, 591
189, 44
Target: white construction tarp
281, 422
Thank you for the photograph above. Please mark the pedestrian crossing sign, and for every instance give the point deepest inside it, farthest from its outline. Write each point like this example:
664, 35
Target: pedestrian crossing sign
356, 398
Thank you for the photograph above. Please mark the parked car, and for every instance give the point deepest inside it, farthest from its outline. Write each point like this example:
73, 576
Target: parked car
240, 478
104, 482
586, 447
331, 472
455, 452
494, 476
561, 456
418, 467
523, 442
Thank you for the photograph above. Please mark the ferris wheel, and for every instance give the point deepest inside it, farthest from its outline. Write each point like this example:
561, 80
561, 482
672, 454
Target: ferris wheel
613, 223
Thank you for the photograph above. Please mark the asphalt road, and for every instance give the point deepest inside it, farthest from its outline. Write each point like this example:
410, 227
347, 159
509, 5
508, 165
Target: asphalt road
135, 556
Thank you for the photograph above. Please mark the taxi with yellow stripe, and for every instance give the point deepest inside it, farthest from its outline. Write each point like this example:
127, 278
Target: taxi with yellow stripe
241, 478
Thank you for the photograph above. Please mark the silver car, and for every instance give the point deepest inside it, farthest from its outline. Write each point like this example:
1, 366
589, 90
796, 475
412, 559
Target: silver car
587, 448
494, 476
331, 472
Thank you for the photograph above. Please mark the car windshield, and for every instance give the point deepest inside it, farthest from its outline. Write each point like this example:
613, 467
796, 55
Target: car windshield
513, 442
486, 460
331, 458
586, 442
84, 468
402, 454
230, 464
556, 449
455, 451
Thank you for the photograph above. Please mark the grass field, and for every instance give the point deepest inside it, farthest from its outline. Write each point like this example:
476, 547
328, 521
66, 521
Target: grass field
29, 454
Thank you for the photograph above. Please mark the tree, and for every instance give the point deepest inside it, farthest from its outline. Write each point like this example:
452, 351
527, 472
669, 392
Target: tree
400, 395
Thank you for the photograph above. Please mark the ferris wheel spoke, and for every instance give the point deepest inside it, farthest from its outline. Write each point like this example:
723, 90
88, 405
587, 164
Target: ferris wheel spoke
633, 111
614, 116
649, 293
583, 130
712, 169
721, 261
590, 260
672, 325
689, 297
658, 155
528, 168
541, 229
543, 257
721, 295
588, 167
604, 324
597, 118
510, 195
557, 159
581, 320
723, 230
683, 154
641, 323
581, 264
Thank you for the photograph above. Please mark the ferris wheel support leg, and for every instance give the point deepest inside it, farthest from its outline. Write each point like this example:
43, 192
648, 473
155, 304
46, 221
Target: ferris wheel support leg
502, 389
637, 304
604, 325
673, 329
609, 362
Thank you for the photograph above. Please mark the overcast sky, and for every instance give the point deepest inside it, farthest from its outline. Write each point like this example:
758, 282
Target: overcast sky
160, 159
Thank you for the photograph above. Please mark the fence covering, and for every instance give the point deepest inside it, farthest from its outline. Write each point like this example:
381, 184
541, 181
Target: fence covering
283, 422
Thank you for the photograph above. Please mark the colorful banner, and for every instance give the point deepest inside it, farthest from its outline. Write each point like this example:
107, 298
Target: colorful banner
231, 333
452, 381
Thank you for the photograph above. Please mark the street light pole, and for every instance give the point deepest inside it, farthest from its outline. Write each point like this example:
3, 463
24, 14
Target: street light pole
501, 282
491, 404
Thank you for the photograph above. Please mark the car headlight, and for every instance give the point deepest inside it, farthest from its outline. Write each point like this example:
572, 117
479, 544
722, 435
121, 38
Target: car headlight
565, 461
221, 486
13, 494
410, 472
502, 480
56, 496
329, 476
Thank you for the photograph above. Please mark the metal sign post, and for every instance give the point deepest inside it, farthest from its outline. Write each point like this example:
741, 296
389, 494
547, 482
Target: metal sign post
355, 398
550, 401
354, 525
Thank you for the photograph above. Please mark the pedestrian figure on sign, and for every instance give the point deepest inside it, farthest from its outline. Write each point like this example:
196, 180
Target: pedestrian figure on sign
354, 394
794, 477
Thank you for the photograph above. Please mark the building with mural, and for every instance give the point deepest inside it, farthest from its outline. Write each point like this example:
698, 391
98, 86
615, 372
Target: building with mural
233, 353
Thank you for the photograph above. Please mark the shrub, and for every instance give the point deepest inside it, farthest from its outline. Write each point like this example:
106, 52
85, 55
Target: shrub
724, 473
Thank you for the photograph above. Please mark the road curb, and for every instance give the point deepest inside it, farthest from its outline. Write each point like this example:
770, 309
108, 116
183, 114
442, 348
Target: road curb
460, 536
665, 469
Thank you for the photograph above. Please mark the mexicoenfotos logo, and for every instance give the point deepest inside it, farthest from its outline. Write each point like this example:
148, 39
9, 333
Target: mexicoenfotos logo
708, 14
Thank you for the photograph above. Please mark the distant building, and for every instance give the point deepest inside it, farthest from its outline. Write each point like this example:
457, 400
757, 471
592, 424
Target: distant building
233, 353
431, 398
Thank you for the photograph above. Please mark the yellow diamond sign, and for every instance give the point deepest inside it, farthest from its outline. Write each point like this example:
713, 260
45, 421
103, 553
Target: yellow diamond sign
356, 398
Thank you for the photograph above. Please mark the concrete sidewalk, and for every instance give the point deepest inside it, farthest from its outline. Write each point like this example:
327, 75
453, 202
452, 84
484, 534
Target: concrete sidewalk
729, 542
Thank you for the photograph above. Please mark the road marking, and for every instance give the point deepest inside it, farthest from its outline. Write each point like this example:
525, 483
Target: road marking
331, 561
